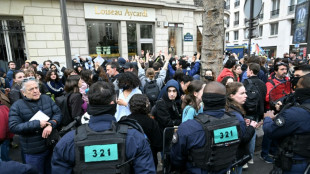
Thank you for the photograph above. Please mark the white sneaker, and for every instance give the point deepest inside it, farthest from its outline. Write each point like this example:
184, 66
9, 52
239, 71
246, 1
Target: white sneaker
245, 166
251, 161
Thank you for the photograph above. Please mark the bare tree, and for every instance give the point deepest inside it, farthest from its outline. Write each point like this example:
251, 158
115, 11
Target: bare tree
213, 36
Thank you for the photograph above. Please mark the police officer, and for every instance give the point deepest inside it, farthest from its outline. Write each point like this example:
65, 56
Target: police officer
204, 144
290, 128
103, 146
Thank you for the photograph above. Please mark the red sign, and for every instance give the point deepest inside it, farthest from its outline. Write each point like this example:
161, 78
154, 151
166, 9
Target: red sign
304, 52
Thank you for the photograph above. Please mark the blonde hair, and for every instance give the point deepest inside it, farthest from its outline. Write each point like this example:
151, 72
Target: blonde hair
150, 73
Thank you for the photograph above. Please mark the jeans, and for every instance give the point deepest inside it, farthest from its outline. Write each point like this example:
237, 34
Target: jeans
40, 161
298, 168
5, 150
252, 145
268, 146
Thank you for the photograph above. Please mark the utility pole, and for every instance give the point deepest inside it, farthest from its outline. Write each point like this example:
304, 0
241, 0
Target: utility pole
250, 26
65, 29
212, 36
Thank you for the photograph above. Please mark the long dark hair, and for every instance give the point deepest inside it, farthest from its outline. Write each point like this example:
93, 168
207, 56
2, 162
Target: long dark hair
86, 75
72, 84
190, 98
232, 88
48, 76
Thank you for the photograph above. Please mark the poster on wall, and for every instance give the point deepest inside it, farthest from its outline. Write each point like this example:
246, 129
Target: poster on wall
301, 23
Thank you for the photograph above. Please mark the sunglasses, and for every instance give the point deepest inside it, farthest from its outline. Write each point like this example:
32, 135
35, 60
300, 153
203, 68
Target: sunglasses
26, 79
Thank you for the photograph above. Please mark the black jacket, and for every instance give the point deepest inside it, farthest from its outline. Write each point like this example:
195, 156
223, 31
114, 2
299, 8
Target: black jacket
151, 129
247, 134
15, 93
75, 102
169, 111
30, 131
262, 90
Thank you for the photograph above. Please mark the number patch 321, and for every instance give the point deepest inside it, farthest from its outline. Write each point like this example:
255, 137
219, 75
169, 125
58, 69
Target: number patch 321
95, 153
225, 134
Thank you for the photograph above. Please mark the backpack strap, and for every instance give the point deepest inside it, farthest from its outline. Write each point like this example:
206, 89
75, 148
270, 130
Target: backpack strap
272, 82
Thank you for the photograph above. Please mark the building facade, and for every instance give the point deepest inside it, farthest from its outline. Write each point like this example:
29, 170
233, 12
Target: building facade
274, 32
32, 29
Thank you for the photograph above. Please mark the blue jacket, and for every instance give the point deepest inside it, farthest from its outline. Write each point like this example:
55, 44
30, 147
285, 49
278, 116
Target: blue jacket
30, 131
261, 75
190, 72
9, 74
63, 159
295, 121
13, 167
191, 135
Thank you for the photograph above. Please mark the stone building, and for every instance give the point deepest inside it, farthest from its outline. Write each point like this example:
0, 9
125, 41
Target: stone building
32, 29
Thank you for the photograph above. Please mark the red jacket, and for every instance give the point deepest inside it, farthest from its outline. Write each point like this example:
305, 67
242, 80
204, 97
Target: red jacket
4, 123
225, 72
278, 92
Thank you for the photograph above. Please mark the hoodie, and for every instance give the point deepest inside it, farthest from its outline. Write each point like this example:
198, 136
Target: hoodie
169, 111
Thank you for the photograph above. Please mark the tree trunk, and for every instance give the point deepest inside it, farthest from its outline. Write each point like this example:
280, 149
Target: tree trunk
212, 36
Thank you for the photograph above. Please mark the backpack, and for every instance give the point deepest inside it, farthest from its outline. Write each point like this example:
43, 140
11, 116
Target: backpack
62, 103
253, 104
151, 90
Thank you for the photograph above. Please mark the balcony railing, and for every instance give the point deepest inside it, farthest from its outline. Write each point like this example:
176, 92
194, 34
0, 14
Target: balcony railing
275, 13
236, 22
227, 7
237, 3
291, 9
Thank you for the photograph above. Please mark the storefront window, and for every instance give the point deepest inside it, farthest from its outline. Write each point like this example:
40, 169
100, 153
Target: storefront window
139, 37
132, 39
175, 42
146, 31
103, 38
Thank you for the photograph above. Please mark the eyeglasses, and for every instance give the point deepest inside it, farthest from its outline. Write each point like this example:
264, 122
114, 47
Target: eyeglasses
26, 79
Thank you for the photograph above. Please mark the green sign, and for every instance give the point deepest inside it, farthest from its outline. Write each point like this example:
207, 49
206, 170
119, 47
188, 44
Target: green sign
225, 134
95, 153
188, 37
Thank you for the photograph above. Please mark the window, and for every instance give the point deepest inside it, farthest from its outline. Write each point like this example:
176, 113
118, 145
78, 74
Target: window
246, 33
103, 38
291, 8
139, 37
175, 42
236, 35
227, 36
12, 43
227, 4
275, 8
273, 29
236, 22
108, 30
260, 31
275, 4
237, 3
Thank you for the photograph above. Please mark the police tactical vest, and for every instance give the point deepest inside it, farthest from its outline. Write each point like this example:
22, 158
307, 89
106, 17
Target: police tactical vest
298, 144
101, 152
222, 141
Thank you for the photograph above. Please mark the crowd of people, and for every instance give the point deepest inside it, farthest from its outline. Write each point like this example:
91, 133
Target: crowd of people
117, 115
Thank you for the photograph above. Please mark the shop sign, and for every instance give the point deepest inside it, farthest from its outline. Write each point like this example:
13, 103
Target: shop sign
304, 51
188, 37
116, 12
296, 45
